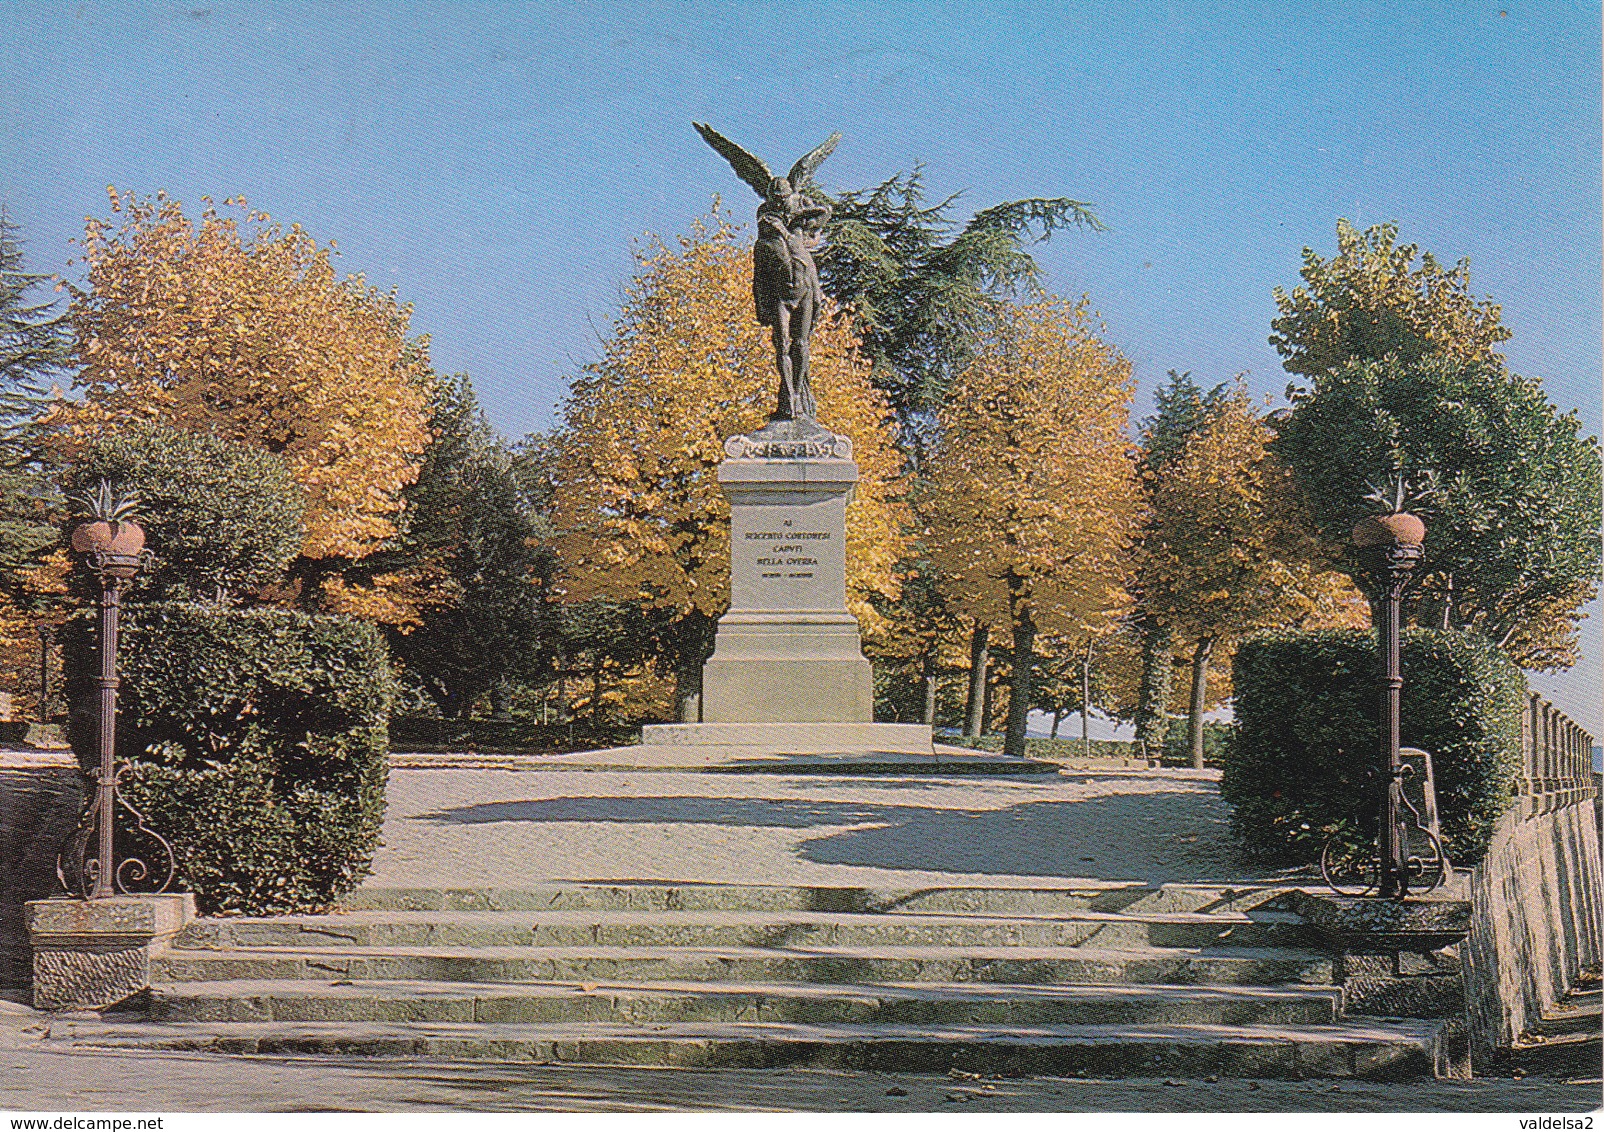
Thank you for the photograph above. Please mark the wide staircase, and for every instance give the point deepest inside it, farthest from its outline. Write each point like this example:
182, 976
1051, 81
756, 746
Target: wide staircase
1062, 979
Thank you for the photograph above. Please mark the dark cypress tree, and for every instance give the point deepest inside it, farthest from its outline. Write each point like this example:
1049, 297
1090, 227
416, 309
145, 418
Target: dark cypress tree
473, 519
35, 347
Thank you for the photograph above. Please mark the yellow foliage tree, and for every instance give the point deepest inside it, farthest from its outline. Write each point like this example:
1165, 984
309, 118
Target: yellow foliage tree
1033, 498
1227, 551
642, 520
1370, 300
40, 599
251, 336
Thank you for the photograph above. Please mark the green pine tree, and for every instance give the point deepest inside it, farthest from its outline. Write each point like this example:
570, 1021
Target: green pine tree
1183, 408
474, 522
922, 289
35, 346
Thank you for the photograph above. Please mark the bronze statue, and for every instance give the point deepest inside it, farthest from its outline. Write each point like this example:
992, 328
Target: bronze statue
785, 281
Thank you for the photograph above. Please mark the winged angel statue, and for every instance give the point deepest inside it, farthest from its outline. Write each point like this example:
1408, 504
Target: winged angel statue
785, 280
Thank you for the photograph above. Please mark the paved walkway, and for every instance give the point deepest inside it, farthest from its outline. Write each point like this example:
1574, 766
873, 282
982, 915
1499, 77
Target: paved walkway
498, 828
504, 828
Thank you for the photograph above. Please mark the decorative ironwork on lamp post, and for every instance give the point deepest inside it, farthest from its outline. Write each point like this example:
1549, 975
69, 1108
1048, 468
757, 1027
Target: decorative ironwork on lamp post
113, 548
1389, 549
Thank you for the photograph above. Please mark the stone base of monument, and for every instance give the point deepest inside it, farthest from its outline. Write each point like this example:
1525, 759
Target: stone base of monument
847, 747
788, 650
793, 666
787, 687
795, 738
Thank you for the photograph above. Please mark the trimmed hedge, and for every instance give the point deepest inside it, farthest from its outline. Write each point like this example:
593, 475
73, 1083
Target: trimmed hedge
1062, 749
1307, 731
256, 742
427, 734
220, 515
1217, 740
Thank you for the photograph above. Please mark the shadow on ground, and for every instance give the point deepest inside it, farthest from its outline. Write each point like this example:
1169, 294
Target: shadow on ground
1174, 835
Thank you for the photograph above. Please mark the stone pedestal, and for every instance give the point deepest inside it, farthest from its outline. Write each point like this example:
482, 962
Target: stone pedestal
788, 651
1402, 958
93, 953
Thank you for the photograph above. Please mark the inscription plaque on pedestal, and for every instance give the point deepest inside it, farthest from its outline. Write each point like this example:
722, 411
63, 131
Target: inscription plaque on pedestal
788, 651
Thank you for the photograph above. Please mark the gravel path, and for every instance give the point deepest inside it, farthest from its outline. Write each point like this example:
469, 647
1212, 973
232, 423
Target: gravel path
504, 828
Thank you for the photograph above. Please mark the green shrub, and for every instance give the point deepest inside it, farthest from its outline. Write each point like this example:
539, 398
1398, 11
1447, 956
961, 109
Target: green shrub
256, 743
1218, 739
222, 517
1306, 721
1062, 749
504, 736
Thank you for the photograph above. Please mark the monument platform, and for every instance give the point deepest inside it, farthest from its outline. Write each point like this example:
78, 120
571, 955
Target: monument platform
794, 738
771, 756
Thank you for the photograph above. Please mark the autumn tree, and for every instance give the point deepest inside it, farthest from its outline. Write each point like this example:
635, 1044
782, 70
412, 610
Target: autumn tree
1512, 509
1033, 500
238, 327
923, 289
1370, 300
637, 506
1098, 672
1227, 551
918, 639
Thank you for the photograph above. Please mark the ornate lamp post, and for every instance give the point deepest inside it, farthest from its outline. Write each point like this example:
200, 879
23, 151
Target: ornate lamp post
1389, 549
113, 548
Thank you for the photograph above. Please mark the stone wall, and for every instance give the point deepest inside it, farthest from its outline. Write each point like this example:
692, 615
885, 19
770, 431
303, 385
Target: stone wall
40, 800
1536, 894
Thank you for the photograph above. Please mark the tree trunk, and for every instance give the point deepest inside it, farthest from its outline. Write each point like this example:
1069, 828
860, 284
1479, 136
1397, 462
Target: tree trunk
1200, 688
562, 687
930, 687
501, 699
1086, 701
696, 642
987, 703
1058, 717
979, 687
1019, 695
1153, 697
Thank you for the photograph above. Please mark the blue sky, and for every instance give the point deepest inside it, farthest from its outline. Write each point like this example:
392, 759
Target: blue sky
493, 162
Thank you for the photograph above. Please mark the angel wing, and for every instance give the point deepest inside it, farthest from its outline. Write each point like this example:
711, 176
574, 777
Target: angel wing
802, 171
748, 168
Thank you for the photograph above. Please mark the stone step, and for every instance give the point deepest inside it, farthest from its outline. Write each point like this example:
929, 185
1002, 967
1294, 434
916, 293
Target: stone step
1041, 965
1207, 899
1109, 930
1044, 899
1567, 1041
1369, 1050
650, 1003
